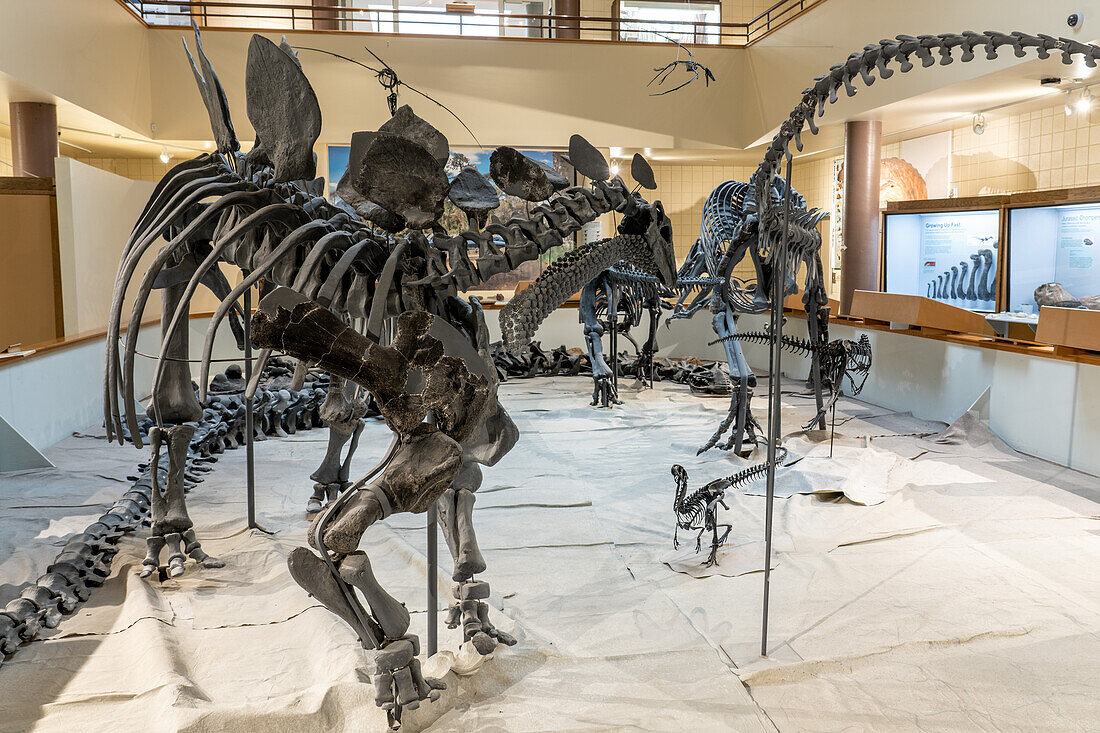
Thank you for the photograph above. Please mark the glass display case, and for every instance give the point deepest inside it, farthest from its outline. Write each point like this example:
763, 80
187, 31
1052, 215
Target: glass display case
1053, 248
949, 256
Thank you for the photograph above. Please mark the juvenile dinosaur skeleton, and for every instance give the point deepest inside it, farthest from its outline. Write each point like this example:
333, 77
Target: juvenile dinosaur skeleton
698, 511
332, 275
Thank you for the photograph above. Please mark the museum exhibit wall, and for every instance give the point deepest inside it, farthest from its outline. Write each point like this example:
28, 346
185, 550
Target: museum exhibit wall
1045, 407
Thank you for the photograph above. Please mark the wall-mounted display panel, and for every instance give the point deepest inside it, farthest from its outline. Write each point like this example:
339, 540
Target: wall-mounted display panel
1053, 245
949, 256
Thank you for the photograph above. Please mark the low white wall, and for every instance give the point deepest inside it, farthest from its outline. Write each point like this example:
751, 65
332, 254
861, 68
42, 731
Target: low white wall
1043, 407
96, 212
46, 398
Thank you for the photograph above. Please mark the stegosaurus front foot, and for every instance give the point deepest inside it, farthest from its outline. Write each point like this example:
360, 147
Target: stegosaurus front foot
471, 611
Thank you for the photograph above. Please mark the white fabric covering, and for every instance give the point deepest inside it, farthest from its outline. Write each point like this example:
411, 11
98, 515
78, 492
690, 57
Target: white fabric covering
962, 596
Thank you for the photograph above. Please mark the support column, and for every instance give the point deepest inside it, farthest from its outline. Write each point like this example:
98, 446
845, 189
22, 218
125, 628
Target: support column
325, 19
859, 264
33, 138
566, 28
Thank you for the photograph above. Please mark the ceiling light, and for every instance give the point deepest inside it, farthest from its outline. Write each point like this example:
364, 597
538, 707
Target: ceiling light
615, 169
1069, 107
1084, 104
164, 156
979, 123
208, 144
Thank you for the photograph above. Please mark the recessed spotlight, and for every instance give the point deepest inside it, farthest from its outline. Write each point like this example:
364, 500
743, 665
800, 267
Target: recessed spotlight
979, 123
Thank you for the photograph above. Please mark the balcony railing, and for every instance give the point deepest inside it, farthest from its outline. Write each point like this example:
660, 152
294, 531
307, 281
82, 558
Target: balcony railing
461, 19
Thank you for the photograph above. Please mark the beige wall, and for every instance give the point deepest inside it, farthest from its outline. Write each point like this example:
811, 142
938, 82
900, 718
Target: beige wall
91, 53
1027, 148
1034, 149
6, 163
137, 169
781, 65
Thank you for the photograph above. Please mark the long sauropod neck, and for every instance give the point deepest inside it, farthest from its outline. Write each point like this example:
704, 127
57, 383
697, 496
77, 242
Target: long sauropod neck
520, 319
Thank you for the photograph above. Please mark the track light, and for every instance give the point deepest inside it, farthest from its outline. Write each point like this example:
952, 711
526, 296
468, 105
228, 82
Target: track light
1069, 107
164, 156
979, 123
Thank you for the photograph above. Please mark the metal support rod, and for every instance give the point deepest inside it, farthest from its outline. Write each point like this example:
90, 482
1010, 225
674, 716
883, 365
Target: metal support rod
433, 587
613, 319
250, 448
832, 431
779, 273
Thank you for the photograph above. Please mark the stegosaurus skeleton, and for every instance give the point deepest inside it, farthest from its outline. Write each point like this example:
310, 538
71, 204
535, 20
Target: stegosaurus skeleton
332, 277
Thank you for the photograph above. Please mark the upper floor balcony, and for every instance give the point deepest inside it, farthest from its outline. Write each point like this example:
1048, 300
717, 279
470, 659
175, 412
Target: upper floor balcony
722, 22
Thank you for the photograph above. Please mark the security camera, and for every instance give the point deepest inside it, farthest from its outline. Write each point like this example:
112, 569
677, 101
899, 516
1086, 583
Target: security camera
1075, 20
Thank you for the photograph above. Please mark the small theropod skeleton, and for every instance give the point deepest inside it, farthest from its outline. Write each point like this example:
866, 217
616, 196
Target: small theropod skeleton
698, 511
332, 277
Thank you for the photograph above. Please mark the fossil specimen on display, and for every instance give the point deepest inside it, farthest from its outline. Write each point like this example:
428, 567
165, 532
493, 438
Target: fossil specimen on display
1055, 294
979, 287
691, 66
837, 359
85, 561
615, 290
367, 290
760, 216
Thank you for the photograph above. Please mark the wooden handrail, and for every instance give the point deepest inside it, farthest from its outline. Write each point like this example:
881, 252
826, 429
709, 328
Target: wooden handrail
76, 339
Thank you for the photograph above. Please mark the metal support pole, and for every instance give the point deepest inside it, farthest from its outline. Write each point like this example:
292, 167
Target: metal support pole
250, 448
433, 588
832, 431
779, 273
613, 319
